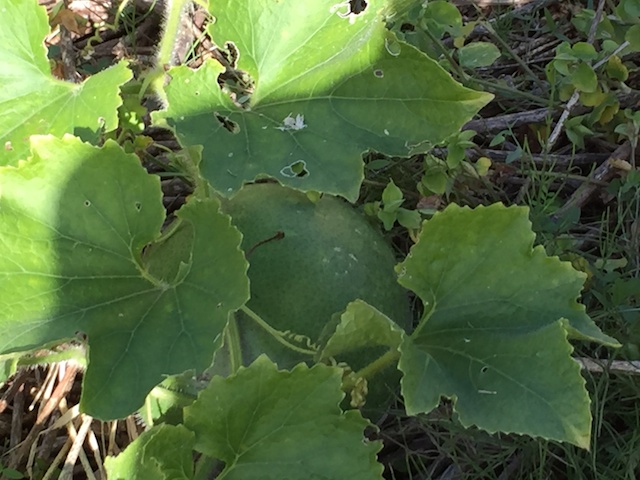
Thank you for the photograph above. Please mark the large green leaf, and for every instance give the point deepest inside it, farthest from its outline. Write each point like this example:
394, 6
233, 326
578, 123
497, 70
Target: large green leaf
267, 424
494, 336
327, 88
74, 220
162, 453
32, 100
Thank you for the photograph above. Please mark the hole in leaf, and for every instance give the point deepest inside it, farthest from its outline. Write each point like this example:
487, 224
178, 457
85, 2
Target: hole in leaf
138, 206
378, 73
392, 46
484, 369
230, 125
238, 84
295, 170
231, 53
87, 203
349, 8
357, 6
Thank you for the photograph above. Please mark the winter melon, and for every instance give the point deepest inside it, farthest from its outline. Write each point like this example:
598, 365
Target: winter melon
307, 261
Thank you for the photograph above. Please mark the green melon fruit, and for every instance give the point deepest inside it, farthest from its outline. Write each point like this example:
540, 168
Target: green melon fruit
307, 261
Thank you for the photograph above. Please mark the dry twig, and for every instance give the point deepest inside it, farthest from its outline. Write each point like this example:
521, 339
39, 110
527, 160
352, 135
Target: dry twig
604, 173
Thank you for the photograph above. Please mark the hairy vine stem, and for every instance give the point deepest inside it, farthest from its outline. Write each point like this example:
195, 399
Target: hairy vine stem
277, 335
371, 370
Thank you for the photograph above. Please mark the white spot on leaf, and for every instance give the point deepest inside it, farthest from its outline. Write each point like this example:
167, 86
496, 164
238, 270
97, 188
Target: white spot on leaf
487, 392
290, 123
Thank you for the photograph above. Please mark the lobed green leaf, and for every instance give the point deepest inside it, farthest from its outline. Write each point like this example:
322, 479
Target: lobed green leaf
328, 86
72, 261
269, 424
494, 335
165, 453
33, 101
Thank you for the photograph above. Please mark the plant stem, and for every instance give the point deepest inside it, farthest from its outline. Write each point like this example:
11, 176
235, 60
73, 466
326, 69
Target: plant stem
447, 55
147, 408
514, 55
232, 340
175, 396
277, 335
373, 368
424, 319
173, 14
515, 92
76, 355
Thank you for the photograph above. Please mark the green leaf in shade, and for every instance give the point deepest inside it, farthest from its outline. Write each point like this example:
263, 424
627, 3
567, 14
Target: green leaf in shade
8, 366
73, 261
584, 51
361, 326
633, 37
584, 78
494, 335
163, 453
478, 54
392, 197
440, 17
631, 8
267, 424
33, 101
326, 89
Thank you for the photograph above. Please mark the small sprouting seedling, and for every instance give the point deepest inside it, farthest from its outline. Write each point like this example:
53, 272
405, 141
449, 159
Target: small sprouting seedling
440, 175
427, 24
596, 69
631, 128
390, 209
577, 130
573, 64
